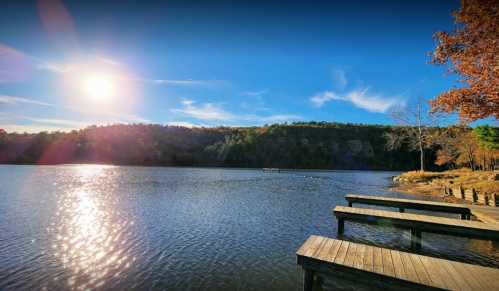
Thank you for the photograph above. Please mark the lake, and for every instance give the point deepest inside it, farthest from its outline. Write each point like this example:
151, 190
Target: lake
150, 228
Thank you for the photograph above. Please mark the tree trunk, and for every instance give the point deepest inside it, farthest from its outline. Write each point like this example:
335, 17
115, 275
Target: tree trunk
421, 156
420, 137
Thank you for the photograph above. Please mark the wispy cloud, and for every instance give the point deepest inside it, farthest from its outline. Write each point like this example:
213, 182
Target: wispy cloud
61, 122
30, 128
58, 68
255, 93
210, 112
206, 111
186, 82
277, 118
185, 124
17, 100
108, 116
360, 98
52, 67
340, 79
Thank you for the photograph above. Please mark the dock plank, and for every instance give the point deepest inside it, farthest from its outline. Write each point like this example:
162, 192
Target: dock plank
387, 262
438, 269
409, 204
420, 270
334, 251
462, 282
475, 284
377, 260
369, 259
408, 270
351, 255
422, 223
361, 251
433, 272
342, 253
398, 267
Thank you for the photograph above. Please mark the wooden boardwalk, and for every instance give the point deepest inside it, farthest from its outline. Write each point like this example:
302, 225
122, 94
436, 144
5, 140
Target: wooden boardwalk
381, 268
485, 213
417, 223
461, 209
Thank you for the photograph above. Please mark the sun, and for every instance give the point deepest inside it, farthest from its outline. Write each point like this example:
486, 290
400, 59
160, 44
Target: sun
99, 86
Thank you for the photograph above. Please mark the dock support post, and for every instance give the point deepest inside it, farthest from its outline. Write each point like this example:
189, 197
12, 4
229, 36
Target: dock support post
464, 216
415, 239
308, 280
341, 226
401, 210
349, 204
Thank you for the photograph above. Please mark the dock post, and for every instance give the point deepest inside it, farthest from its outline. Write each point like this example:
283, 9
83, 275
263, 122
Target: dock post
349, 204
308, 280
401, 210
341, 226
415, 239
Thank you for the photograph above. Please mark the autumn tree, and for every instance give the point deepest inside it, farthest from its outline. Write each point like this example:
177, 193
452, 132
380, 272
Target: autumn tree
446, 139
472, 52
467, 145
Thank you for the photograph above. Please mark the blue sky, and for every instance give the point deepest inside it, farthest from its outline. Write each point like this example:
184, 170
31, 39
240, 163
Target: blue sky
216, 62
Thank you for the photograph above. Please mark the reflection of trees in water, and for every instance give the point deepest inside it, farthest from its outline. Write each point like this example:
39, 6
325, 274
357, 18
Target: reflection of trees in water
485, 247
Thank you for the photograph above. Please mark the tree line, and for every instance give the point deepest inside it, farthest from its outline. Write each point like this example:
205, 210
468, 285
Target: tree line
307, 145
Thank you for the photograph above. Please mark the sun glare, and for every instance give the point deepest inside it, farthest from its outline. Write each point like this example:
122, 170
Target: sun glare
98, 86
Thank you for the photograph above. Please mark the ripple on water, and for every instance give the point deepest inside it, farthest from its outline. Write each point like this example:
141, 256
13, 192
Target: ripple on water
115, 228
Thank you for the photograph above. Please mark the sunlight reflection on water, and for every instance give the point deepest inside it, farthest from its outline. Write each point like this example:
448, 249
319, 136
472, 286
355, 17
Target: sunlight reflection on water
87, 232
76, 227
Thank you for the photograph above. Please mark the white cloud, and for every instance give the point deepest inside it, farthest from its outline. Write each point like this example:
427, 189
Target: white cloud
185, 124
43, 122
102, 115
30, 128
255, 93
52, 67
61, 122
360, 98
75, 67
215, 113
277, 118
178, 82
206, 111
16, 100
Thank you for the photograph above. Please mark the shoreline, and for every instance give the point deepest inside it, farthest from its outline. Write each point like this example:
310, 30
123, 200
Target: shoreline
441, 184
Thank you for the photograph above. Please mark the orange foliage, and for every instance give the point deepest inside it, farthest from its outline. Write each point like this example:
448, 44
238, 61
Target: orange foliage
472, 51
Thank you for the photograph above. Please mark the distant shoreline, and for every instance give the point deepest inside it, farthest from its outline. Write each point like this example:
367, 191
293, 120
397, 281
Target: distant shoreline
203, 167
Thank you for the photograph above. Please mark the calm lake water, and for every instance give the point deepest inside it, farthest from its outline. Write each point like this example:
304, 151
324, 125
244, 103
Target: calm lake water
105, 227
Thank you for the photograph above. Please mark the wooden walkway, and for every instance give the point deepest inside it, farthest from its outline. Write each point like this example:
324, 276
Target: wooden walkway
417, 223
461, 209
485, 213
381, 268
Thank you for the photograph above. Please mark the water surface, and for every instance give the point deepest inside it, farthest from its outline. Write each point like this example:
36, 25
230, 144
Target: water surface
146, 228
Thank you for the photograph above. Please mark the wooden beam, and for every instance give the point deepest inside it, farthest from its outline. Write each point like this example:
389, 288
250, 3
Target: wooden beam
417, 222
403, 204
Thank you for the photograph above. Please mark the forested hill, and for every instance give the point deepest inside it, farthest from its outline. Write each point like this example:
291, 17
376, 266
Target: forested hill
297, 145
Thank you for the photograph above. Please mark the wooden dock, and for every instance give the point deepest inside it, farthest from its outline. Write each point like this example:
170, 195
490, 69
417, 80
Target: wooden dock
486, 214
417, 223
381, 268
402, 204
